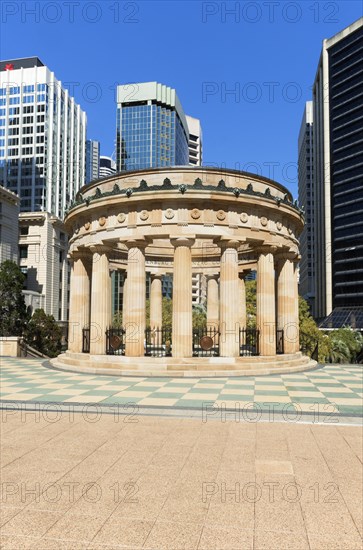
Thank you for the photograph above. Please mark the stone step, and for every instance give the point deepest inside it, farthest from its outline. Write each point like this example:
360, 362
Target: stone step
89, 364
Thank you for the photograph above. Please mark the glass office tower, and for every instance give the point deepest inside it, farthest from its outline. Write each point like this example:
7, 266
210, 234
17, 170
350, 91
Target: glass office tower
42, 137
152, 130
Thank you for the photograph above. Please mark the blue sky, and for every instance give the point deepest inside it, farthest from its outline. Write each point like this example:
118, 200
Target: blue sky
266, 51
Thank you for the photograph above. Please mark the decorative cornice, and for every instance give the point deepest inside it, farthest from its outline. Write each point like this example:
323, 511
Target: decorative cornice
183, 188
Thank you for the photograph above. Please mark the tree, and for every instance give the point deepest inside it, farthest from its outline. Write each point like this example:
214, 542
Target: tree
13, 313
199, 316
251, 303
44, 334
310, 335
345, 345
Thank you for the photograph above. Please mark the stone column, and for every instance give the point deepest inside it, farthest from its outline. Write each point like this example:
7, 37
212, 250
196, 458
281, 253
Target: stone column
136, 299
79, 301
242, 302
100, 300
228, 300
124, 301
156, 297
266, 321
296, 347
212, 301
182, 330
286, 303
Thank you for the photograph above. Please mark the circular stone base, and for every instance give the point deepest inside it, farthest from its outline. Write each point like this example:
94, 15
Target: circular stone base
188, 367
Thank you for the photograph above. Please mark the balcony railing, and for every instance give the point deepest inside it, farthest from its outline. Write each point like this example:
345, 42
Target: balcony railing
280, 341
158, 342
249, 342
206, 342
115, 341
85, 340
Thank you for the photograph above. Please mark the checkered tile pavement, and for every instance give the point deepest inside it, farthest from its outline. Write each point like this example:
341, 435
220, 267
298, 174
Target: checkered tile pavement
333, 388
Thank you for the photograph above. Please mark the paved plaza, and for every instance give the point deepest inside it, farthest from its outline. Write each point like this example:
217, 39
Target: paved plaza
333, 389
75, 478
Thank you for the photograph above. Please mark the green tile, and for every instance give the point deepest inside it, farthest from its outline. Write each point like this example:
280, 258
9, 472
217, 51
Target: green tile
295, 399
235, 397
344, 409
301, 388
191, 403
96, 391
328, 384
166, 395
268, 383
342, 395
203, 390
121, 400
271, 392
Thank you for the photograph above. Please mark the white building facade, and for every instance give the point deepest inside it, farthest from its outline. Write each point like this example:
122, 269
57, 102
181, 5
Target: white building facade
42, 137
9, 228
195, 143
92, 160
43, 246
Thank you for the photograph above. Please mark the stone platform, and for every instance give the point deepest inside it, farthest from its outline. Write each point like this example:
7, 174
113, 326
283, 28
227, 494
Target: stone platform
188, 367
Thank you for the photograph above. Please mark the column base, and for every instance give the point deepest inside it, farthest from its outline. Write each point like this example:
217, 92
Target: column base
188, 367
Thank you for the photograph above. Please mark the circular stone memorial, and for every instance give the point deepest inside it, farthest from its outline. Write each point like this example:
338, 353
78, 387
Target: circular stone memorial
178, 222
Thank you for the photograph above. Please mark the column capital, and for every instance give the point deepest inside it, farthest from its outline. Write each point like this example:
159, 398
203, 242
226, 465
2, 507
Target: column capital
141, 243
283, 255
82, 253
242, 274
227, 242
99, 248
267, 249
212, 276
156, 276
182, 240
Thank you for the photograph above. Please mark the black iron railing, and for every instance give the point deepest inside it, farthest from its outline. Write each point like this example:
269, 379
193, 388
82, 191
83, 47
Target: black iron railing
280, 341
115, 341
158, 342
206, 342
309, 346
249, 342
86, 340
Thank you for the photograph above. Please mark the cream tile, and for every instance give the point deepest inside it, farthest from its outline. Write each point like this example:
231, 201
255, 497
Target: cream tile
21, 396
306, 394
85, 399
158, 401
131, 393
201, 396
172, 390
67, 391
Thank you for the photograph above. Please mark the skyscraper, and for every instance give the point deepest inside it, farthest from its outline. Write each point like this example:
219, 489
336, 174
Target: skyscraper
338, 173
42, 137
152, 129
306, 198
92, 160
195, 141
107, 167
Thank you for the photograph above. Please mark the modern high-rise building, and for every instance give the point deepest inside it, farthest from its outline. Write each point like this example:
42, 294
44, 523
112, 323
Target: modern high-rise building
92, 160
107, 167
337, 195
306, 198
42, 137
195, 141
152, 129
